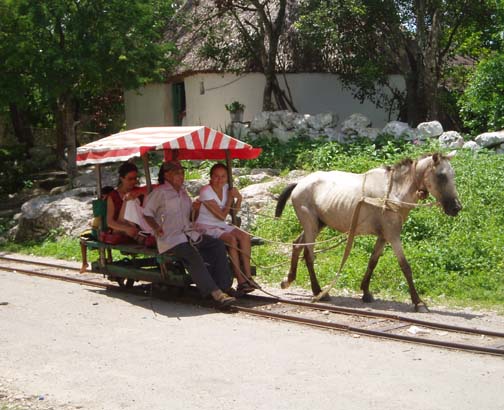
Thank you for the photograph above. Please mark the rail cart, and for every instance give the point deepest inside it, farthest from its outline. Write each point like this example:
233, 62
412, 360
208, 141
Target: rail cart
137, 262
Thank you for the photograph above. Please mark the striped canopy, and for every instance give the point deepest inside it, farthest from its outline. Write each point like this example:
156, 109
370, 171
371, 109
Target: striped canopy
181, 142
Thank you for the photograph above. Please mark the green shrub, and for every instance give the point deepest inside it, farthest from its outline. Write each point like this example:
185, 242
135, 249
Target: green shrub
14, 168
482, 103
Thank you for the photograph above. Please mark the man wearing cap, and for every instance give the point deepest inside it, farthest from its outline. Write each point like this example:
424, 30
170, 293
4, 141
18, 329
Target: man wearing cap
167, 211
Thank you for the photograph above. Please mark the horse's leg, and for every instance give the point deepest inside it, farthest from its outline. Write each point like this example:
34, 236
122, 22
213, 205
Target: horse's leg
420, 306
309, 260
296, 250
373, 260
311, 230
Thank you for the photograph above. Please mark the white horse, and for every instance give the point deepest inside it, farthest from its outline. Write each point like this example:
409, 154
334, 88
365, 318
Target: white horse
383, 198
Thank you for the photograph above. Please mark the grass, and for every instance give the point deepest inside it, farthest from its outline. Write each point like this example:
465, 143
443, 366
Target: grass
455, 261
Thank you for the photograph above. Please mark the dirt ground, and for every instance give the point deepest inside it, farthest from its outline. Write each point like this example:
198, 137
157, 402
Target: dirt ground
64, 347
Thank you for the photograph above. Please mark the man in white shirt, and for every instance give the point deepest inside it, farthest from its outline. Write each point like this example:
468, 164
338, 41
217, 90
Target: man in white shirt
167, 211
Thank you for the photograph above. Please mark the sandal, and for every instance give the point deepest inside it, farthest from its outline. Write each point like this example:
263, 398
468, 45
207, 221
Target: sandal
224, 300
233, 293
245, 287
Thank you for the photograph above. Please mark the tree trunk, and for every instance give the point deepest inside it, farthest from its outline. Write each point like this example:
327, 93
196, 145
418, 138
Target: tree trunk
268, 90
421, 91
60, 137
65, 127
22, 129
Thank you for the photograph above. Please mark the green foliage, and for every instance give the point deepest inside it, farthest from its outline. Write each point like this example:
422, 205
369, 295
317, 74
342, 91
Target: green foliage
282, 155
235, 106
438, 31
57, 53
14, 168
482, 103
62, 248
319, 154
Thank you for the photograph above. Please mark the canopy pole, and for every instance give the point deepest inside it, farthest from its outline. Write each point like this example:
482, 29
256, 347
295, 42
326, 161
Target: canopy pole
232, 211
145, 162
98, 180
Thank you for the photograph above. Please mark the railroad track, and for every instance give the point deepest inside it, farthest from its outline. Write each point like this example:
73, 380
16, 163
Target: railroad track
353, 321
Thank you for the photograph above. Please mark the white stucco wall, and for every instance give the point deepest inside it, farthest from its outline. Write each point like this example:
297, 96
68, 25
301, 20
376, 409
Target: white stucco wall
149, 106
206, 95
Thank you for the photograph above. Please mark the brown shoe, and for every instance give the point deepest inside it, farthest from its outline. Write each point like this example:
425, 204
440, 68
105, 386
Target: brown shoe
223, 300
233, 293
245, 287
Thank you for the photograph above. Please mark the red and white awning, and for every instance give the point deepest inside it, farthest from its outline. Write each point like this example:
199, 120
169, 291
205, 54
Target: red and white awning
187, 142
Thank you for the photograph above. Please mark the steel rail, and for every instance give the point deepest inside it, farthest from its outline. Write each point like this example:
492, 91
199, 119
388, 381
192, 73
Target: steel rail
50, 265
376, 333
58, 277
305, 321
350, 311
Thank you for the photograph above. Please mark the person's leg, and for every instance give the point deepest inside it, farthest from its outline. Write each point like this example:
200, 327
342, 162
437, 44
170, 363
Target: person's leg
233, 252
245, 282
84, 256
196, 267
213, 252
245, 247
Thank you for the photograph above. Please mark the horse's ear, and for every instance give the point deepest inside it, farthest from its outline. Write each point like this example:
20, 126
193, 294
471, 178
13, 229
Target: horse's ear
450, 155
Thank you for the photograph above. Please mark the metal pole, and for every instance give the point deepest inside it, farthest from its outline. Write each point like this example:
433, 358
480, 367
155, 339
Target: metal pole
232, 211
98, 180
145, 162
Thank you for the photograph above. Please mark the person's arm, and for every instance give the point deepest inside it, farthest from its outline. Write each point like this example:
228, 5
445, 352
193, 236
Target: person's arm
234, 193
196, 205
117, 225
216, 210
157, 229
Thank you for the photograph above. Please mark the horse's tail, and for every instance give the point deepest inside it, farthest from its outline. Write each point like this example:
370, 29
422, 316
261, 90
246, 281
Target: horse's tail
282, 199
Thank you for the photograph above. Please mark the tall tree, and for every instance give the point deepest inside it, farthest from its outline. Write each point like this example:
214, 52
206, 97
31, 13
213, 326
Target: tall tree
68, 49
366, 40
239, 36
260, 25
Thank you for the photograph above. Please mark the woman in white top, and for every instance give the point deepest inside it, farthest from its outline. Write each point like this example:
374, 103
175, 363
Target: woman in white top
218, 200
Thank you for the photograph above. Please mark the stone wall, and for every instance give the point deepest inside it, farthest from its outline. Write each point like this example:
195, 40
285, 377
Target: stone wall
285, 125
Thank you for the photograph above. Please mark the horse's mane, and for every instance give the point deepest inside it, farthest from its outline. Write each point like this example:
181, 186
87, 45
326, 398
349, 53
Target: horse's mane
406, 163
403, 167
400, 166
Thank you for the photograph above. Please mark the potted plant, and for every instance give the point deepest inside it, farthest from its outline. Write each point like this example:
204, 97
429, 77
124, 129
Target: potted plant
236, 111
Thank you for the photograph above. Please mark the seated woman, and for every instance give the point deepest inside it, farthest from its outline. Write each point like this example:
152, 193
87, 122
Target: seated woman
218, 200
116, 202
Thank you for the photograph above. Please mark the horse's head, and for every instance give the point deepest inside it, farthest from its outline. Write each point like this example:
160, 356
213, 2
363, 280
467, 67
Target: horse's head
439, 179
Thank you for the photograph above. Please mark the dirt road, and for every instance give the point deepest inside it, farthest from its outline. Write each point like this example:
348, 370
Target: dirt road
65, 346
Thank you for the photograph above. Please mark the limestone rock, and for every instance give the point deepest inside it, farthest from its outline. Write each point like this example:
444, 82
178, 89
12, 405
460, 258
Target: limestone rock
430, 129
451, 139
490, 139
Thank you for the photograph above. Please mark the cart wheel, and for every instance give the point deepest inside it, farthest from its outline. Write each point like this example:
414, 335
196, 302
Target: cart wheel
125, 283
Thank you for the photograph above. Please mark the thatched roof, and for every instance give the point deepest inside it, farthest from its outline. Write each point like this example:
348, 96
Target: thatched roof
208, 40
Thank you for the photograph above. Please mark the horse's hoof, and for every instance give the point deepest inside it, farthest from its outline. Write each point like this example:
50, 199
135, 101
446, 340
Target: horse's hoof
285, 284
321, 297
367, 298
421, 308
